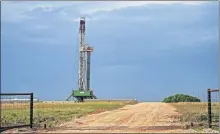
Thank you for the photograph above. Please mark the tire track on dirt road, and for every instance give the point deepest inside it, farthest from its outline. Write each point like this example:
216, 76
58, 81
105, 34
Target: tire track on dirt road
141, 117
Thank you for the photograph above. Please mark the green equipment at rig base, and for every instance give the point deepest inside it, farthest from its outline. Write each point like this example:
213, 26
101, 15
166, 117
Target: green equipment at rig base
80, 95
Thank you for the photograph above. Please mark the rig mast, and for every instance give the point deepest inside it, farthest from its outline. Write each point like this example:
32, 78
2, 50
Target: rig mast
82, 48
83, 91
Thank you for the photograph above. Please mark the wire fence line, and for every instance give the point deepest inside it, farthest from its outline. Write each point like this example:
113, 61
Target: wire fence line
16, 110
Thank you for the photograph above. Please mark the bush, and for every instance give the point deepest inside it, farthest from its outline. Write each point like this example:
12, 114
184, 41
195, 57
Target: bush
180, 98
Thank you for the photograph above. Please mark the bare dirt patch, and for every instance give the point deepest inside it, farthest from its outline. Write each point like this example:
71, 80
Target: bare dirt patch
142, 117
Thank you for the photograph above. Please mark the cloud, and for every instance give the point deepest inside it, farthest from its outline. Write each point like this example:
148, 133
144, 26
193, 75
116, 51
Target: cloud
130, 40
49, 22
21, 11
45, 8
14, 12
111, 6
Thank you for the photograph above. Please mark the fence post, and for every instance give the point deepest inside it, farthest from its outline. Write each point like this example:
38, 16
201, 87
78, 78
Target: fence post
0, 112
219, 108
209, 109
31, 110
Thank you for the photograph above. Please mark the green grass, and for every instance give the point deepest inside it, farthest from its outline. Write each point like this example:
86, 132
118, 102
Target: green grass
53, 114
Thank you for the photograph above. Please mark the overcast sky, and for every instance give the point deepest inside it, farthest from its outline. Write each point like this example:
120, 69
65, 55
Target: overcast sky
144, 50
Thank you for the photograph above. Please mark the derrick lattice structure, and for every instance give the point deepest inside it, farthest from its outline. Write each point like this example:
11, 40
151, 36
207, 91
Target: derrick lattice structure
83, 91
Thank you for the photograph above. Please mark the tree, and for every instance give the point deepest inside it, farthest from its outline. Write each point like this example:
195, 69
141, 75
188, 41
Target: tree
180, 98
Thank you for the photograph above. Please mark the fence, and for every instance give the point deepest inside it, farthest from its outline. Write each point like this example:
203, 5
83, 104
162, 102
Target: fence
213, 108
16, 110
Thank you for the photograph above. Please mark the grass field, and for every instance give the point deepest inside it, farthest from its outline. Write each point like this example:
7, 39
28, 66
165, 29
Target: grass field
53, 113
197, 113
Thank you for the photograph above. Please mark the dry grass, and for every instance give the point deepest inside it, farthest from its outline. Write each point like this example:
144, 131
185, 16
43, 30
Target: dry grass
197, 112
53, 113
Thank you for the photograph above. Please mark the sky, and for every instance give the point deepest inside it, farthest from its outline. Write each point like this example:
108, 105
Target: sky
143, 50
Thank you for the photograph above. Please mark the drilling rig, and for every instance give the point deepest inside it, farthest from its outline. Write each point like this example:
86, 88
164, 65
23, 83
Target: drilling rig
85, 50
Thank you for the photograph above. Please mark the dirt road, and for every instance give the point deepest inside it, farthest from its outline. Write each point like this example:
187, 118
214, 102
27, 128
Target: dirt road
142, 117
